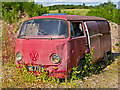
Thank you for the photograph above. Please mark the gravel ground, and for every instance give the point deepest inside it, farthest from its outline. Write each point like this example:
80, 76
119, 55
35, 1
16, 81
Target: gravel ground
108, 78
115, 31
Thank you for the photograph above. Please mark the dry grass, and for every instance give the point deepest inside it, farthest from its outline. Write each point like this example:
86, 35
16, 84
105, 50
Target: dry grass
75, 11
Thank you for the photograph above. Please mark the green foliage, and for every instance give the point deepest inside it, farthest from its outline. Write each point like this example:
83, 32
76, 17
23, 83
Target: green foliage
107, 11
33, 9
88, 67
106, 4
56, 7
10, 10
118, 45
87, 63
74, 73
83, 6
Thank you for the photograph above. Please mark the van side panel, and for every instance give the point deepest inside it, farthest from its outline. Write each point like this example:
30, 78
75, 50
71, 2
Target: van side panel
94, 38
103, 27
77, 50
105, 40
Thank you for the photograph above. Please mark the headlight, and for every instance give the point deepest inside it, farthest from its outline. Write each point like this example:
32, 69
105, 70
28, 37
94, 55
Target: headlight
18, 56
55, 58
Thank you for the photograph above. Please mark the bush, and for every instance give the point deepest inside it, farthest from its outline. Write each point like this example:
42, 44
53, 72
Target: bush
87, 63
34, 9
107, 11
10, 10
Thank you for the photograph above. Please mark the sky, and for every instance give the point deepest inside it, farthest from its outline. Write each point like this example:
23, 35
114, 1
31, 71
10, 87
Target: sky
75, 0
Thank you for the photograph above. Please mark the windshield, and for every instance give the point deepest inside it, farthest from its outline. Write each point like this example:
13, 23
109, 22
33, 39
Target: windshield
45, 28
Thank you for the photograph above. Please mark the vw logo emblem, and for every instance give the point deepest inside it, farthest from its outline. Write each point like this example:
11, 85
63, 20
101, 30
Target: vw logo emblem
34, 55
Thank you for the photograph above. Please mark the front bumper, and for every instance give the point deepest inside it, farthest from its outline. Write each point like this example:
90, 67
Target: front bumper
51, 70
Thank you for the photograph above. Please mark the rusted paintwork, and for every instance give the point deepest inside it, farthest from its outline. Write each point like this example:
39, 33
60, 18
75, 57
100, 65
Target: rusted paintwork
37, 50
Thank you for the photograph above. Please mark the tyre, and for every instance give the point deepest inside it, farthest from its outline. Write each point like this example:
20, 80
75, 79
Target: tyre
105, 58
80, 66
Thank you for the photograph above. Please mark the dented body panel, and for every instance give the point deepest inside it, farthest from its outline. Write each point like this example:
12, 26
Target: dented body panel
77, 49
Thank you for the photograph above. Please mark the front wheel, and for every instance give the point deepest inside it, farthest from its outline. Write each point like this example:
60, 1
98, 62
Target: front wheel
80, 68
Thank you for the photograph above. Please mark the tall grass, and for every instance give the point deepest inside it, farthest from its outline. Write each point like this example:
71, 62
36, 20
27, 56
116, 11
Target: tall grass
8, 43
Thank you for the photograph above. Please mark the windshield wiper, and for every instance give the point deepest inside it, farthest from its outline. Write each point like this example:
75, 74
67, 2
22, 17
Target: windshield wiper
24, 36
42, 31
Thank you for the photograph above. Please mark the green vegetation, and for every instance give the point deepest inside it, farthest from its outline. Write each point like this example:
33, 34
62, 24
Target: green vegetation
118, 45
10, 10
56, 7
107, 11
20, 77
83, 6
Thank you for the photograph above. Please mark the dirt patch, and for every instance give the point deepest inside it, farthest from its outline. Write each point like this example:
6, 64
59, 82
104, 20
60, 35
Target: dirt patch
114, 36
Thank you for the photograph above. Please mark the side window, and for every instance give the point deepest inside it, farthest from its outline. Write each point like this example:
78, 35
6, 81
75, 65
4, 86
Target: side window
76, 29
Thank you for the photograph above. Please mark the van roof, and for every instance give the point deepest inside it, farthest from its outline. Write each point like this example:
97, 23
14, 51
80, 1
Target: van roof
69, 17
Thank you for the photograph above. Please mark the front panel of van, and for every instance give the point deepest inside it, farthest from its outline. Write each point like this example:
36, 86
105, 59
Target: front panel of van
44, 43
